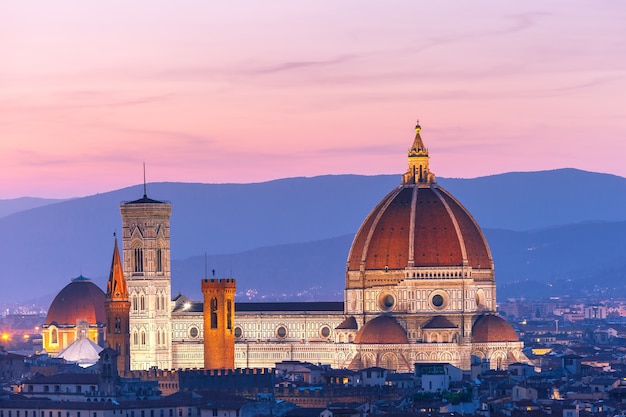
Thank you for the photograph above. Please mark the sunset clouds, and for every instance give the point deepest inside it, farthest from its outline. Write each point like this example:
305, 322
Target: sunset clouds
251, 91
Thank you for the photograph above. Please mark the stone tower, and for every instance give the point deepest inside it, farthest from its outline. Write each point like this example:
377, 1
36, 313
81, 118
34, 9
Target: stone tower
146, 255
219, 323
117, 309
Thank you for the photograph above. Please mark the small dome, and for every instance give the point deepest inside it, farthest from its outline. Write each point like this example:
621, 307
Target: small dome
382, 329
80, 299
491, 328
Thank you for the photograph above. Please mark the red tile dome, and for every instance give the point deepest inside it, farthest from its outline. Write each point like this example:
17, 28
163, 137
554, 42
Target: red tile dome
80, 299
382, 329
492, 328
419, 226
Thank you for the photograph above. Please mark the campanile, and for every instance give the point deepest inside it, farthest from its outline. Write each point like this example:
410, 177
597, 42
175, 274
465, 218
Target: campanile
146, 254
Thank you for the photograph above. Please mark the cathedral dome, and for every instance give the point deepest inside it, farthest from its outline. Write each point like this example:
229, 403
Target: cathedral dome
418, 224
382, 329
491, 328
81, 299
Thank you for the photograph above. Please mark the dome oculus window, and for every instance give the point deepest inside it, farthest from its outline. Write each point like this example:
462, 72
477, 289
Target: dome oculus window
439, 300
386, 301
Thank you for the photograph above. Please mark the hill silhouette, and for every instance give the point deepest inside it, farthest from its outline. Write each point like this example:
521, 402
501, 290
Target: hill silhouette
281, 224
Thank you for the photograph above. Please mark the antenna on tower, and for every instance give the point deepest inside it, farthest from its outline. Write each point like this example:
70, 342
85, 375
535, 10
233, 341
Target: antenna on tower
145, 194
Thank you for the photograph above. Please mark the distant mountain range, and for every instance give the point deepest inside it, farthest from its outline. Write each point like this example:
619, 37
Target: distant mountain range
15, 205
549, 231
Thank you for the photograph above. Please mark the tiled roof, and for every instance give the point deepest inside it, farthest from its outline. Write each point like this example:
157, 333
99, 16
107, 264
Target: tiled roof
330, 306
443, 231
382, 330
80, 299
439, 322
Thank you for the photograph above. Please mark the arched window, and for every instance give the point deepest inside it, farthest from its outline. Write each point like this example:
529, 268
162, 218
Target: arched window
143, 338
118, 325
142, 302
138, 260
159, 260
135, 338
54, 336
135, 305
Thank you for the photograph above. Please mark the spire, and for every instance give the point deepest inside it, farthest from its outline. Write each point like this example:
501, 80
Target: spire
116, 287
418, 172
145, 192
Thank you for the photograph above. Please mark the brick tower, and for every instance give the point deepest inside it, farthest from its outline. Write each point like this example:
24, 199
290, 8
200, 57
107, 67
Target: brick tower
219, 323
117, 309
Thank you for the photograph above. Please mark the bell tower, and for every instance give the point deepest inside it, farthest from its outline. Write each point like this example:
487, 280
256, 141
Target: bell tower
146, 256
219, 323
117, 309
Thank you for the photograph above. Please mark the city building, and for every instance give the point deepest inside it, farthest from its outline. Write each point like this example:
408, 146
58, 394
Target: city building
77, 312
419, 287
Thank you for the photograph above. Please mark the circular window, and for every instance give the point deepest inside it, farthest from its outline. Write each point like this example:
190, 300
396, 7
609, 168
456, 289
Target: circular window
238, 332
281, 332
325, 332
480, 298
386, 301
194, 332
437, 300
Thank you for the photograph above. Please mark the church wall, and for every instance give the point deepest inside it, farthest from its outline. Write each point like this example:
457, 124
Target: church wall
286, 326
259, 329
67, 335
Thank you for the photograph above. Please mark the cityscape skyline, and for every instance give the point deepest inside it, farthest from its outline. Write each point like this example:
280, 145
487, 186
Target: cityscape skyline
227, 93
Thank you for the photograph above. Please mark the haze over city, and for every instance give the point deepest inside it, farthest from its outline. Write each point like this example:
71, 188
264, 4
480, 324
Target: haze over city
248, 92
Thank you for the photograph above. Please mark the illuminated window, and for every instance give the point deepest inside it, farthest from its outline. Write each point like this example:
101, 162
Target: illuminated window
54, 336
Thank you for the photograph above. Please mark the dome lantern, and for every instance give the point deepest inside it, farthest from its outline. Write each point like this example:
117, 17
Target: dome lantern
418, 171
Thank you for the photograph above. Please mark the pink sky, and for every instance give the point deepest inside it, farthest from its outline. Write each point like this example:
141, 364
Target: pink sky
251, 91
